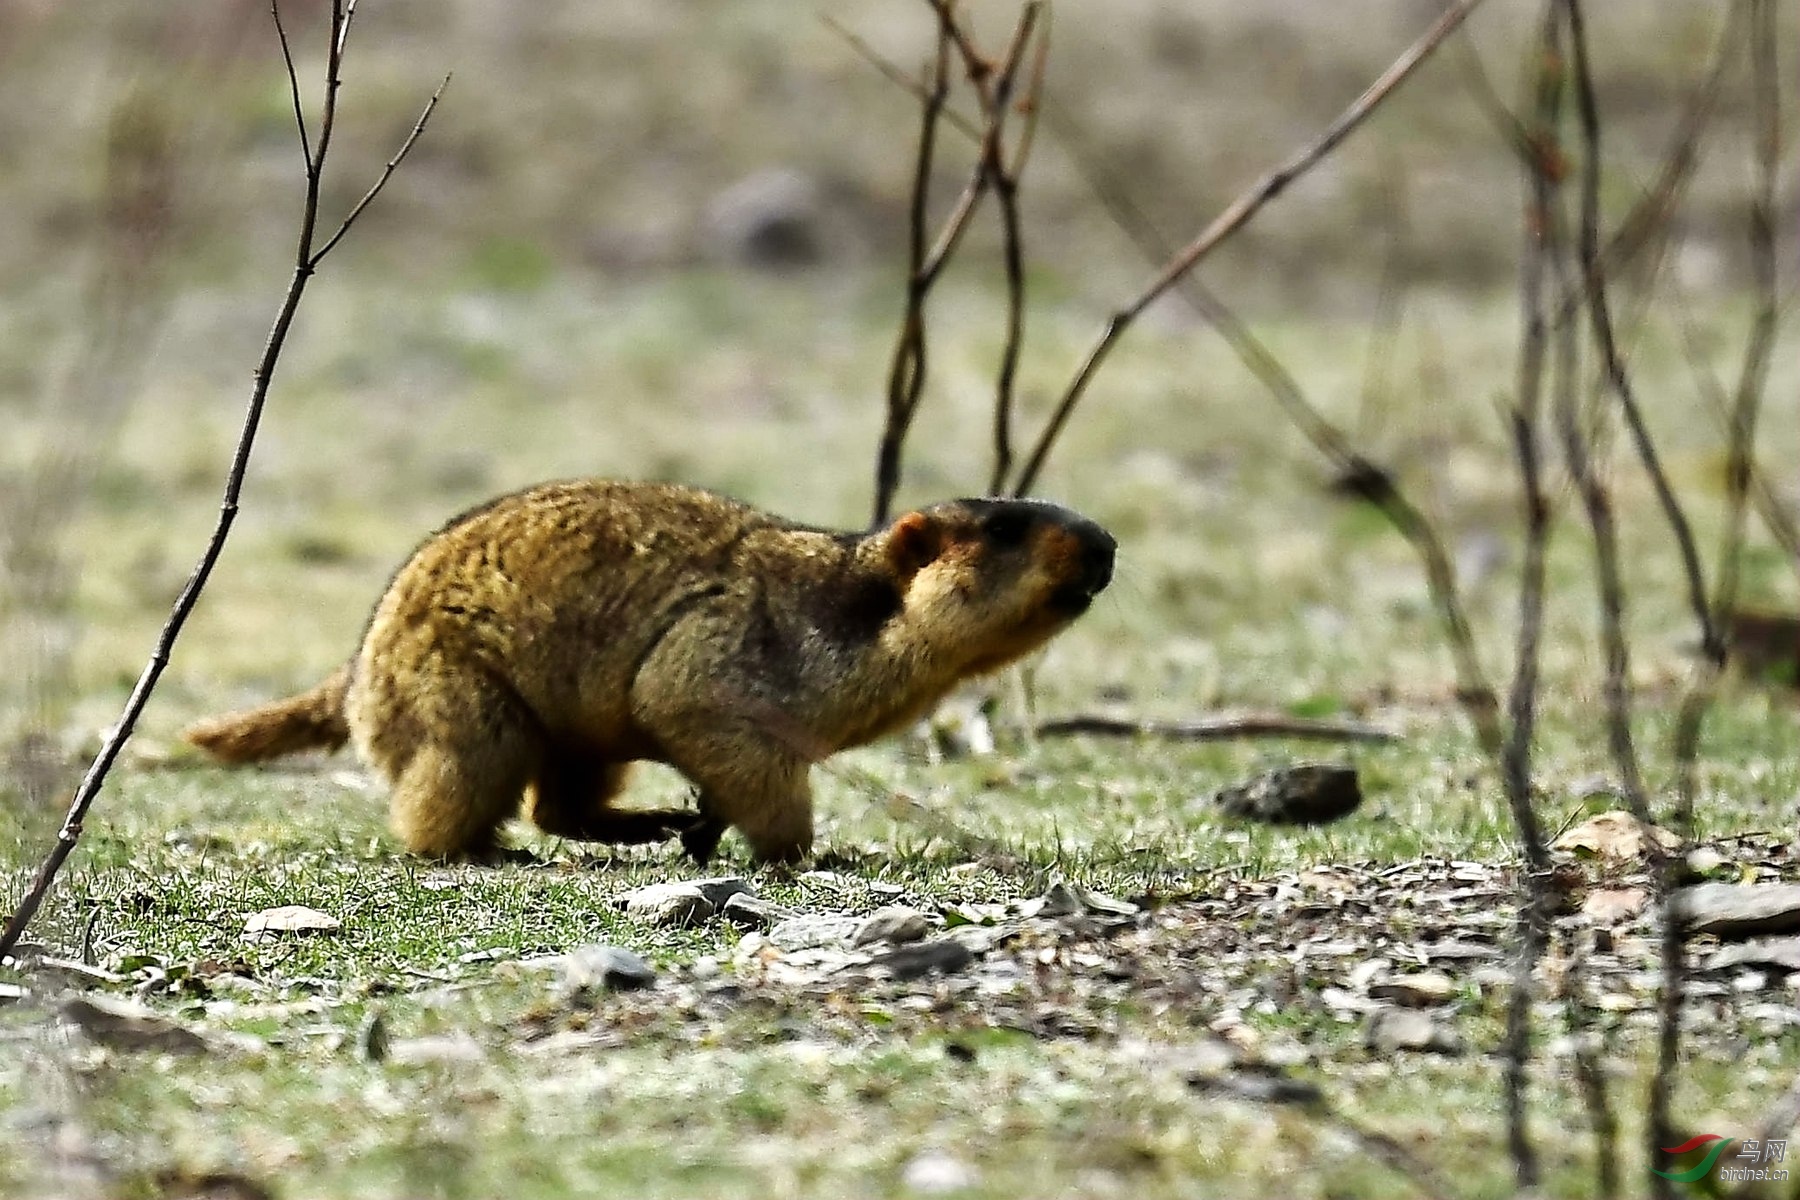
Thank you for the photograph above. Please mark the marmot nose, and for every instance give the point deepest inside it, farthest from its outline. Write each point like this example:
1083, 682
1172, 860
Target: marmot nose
1097, 558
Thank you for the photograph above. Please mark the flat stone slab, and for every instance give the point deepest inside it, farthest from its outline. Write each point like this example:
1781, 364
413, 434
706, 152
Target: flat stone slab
1738, 910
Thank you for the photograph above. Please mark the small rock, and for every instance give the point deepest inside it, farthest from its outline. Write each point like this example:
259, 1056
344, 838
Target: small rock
1069, 900
1302, 794
12, 992
1704, 860
1454, 951
124, 1026
372, 1041
1423, 990
1760, 952
770, 219
1257, 1083
668, 905
605, 968
808, 932
749, 911
1614, 905
1391, 1030
721, 888
437, 1048
936, 1173
289, 918
1733, 910
1615, 834
911, 962
894, 923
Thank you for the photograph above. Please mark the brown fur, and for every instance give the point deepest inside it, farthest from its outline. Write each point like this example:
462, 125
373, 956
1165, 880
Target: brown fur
534, 648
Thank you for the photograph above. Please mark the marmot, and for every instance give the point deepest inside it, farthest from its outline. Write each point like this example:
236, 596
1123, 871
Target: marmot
534, 647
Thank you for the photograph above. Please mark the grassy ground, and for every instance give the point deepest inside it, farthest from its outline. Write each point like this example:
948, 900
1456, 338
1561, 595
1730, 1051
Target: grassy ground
1072, 1057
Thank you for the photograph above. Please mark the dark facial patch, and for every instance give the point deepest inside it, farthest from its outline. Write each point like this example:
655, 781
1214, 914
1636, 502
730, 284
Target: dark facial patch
857, 613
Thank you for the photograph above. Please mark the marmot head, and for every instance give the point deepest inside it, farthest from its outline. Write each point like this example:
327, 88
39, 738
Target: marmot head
983, 582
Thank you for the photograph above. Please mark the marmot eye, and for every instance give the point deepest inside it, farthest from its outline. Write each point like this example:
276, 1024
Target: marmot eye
1007, 527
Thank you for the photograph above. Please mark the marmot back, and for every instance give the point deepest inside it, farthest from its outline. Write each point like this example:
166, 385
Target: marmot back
533, 648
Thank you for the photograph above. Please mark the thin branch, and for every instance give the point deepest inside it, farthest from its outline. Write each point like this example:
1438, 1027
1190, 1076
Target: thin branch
387, 173
906, 375
1234, 218
1746, 404
1006, 193
1612, 598
305, 261
1594, 284
1590, 1072
919, 91
1219, 729
287, 57
906, 371
1653, 208
1541, 165
1776, 519
1378, 486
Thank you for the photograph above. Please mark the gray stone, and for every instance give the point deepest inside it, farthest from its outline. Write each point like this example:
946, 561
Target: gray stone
895, 924
749, 911
1759, 952
1391, 1030
910, 962
721, 888
770, 219
1423, 990
669, 905
809, 932
1732, 910
604, 968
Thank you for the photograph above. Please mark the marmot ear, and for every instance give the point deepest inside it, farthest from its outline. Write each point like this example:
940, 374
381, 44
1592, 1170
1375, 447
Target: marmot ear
913, 542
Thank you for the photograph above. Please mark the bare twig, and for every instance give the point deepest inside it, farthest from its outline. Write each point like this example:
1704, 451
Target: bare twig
387, 173
1612, 363
306, 261
287, 57
906, 376
1542, 162
1770, 507
1746, 403
1590, 1072
1235, 217
1005, 180
919, 91
1218, 729
1612, 596
1475, 693
906, 373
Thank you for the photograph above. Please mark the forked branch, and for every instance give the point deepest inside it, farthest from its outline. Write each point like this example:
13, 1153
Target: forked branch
1234, 218
306, 260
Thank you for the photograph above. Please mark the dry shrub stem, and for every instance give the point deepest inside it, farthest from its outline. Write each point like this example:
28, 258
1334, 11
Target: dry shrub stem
1590, 1072
1234, 218
306, 262
1594, 284
1746, 404
906, 375
1542, 166
1474, 691
1218, 729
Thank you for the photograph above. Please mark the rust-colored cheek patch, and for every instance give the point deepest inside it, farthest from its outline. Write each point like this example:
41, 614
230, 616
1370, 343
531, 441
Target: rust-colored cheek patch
1060, 553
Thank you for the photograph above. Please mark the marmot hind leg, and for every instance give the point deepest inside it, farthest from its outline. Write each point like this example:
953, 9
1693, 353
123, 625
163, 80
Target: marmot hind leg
572, 798
458, 756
